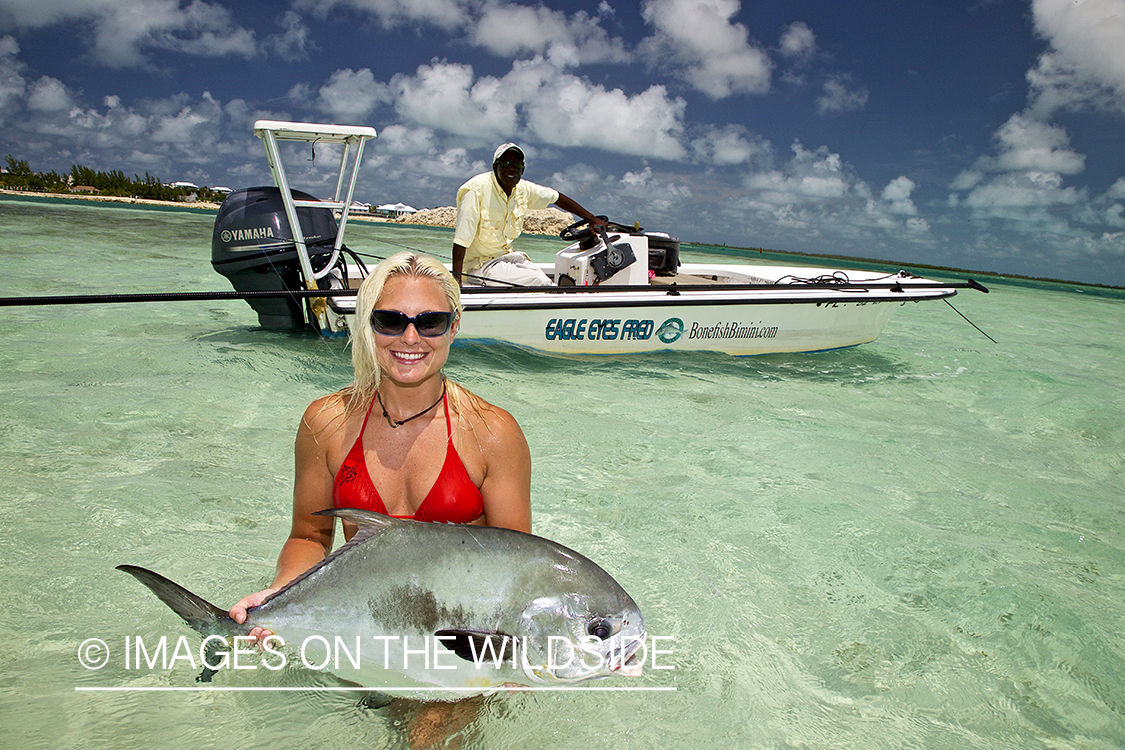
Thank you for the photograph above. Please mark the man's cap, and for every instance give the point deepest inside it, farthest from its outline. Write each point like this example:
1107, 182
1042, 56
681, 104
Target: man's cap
503, 149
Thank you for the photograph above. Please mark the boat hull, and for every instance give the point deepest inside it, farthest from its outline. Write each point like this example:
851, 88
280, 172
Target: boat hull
743, 315
741, 330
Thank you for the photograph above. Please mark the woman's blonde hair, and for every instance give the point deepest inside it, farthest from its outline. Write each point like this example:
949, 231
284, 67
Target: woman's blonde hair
367, 374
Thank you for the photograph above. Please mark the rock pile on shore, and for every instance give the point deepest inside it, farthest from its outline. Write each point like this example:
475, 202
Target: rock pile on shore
543, 221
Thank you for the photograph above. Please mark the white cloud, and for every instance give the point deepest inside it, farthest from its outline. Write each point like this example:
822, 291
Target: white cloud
837, 97
351, 95
817, 194
572, 112
713, 53
183, 127
445, 97
1026, 198
809, 177
897, 194
1029, 144
12, 83
798, 41
1089, 42
49, 95
510, 30
401, 140
122, 31
537, 101
916, 225
293, 43
446, 14
730, 145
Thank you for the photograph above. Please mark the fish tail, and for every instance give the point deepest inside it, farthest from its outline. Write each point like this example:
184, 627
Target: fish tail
196, 611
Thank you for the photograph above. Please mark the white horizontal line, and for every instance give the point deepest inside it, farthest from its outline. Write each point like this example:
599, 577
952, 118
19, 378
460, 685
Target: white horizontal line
233, 689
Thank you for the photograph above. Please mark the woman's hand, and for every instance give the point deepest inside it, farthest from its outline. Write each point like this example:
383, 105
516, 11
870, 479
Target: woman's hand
238, 611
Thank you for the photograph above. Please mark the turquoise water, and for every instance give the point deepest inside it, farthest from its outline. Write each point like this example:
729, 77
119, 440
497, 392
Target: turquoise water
913, 543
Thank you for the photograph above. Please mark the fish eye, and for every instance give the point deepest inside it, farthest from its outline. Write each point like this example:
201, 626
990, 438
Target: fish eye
600, 629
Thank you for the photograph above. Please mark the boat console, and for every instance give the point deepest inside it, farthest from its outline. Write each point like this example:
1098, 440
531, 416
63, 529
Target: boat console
617, 255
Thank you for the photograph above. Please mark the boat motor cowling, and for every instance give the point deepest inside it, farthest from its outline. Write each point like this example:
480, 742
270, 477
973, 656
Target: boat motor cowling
252, 246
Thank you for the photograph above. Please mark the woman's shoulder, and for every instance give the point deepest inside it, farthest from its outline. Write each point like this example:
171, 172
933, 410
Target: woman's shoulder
327, 415
490, 424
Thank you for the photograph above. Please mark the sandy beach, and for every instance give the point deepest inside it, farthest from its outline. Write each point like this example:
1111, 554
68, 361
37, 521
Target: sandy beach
109, 199
548, 221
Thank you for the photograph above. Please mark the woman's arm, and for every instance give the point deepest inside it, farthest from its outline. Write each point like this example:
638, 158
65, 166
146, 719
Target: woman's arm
507, 480
310, 536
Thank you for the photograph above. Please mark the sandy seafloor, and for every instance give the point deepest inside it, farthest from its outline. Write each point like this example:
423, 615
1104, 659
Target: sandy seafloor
915, 543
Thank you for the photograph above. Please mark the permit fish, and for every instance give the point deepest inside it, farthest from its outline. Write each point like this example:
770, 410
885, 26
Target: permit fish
407, 604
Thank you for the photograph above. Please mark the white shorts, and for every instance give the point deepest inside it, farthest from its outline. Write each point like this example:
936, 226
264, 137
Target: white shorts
513, 268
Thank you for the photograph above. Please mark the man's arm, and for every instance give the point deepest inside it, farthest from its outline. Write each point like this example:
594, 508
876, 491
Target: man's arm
458, 260
466, 226
571, 206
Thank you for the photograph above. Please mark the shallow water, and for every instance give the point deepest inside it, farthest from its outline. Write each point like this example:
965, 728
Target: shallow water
913, 543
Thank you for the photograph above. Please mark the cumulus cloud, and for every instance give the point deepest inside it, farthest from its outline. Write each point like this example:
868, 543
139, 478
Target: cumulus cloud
798, 41
575, 113
710, 52
401, 140
1087, 62
445, 14
1025, 197
1022, 185
1025, 178
1028, 144
818, 194
350, 96
897, 194
540, 102
448, 97
511, 30
12, 83
49, 95
293, 43
837, 97
123, 31
729, 145
809, 176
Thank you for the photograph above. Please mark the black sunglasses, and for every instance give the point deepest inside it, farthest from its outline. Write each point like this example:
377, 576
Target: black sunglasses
394, 323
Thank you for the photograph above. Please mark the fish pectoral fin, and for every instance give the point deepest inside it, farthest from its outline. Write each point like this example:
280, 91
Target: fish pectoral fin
478, 646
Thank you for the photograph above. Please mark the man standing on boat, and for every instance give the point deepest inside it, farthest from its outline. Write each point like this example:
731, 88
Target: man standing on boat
491, 208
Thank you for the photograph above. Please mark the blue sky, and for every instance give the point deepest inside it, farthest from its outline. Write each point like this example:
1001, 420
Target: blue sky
984, 134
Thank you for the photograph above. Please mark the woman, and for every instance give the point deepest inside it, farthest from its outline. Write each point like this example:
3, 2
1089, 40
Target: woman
401, 439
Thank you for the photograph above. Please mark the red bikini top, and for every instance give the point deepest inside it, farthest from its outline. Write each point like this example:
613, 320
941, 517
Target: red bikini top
454, 498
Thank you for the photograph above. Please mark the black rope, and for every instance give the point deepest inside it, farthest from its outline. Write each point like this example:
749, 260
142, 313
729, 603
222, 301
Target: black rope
974, 325
87, 299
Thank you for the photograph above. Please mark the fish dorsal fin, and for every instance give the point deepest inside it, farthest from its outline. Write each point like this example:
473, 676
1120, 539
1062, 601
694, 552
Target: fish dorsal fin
477, 646
368, 521
369, 524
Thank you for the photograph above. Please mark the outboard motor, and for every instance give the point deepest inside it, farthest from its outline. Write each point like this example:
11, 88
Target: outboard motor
253, 247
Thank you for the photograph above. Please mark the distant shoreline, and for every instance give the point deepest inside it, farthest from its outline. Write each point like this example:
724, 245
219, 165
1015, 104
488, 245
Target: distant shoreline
547, 221
110, 199
447, 212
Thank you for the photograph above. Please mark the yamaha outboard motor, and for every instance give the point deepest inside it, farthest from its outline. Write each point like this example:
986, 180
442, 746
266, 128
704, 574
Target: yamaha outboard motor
253, 247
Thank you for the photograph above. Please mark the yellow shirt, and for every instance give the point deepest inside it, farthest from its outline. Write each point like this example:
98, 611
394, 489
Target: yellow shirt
488, 220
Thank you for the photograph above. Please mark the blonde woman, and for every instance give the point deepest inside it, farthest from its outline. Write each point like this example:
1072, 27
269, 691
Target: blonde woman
402, 439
